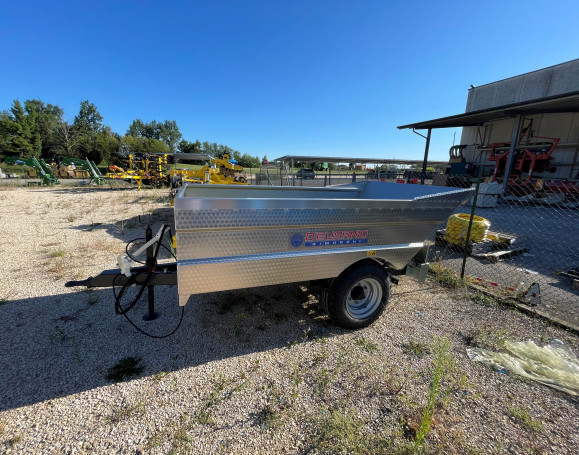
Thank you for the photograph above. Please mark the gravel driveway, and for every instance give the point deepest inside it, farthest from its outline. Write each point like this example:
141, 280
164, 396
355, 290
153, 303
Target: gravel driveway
253, 371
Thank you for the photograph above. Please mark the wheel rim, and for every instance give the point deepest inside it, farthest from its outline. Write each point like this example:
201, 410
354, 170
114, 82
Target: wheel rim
364, 298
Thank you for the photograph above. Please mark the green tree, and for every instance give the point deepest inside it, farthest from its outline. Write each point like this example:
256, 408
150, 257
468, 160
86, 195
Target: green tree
87, 124
167, 132
150, 130
48, 118
8, 131
249, 161
20, 130
89, 120
210, 149
106, 143
132, 144
67, 139
189, 147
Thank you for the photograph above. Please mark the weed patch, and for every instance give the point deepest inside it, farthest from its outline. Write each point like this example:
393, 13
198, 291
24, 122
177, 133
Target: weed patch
447, 277
62, 337
239, 328
269, 418
14, 440
522, 417
366, 345
223, 389
126, 412
91, 299
484, 300
417, 348
345, 431
486, 338
227, 302
58, 253
443, 363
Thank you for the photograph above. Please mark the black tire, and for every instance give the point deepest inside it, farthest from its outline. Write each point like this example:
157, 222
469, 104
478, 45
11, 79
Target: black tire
359, 296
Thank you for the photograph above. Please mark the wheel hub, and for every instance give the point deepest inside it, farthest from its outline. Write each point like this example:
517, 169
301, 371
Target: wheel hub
363, 298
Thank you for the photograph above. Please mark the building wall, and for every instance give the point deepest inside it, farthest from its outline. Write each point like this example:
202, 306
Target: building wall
565, 158
552, 81
555, 80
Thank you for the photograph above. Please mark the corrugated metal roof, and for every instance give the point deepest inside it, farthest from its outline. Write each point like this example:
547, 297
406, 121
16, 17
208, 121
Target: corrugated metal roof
560, 103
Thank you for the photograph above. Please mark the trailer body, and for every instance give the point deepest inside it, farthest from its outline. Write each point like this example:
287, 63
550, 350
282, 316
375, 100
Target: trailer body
234, 237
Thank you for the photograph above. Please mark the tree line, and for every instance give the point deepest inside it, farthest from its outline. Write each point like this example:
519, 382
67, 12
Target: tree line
38, 129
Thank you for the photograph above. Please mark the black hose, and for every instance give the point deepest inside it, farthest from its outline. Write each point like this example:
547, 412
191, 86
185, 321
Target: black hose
133, 280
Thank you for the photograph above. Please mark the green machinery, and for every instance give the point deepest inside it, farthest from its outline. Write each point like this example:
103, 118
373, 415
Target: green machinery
87, 165
40, 167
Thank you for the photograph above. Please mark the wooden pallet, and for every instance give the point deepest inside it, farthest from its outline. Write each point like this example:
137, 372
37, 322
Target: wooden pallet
499, 255
495, 247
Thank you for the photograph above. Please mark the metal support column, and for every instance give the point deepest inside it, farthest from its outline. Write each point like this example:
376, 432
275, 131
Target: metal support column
512, 151
422, 177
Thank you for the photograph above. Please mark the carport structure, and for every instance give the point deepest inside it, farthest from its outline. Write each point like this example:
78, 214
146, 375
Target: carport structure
291, 159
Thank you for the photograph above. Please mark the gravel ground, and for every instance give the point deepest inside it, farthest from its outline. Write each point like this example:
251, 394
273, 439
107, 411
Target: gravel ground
254, 371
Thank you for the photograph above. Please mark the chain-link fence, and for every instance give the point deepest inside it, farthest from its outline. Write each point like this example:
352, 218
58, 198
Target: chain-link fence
279, 175
529, 247
523, 242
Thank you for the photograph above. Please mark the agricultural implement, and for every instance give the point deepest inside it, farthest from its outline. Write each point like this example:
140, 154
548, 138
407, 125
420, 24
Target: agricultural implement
116, 172
142, 168
351, 240
529, 158
87, 166
37, 168
223, 170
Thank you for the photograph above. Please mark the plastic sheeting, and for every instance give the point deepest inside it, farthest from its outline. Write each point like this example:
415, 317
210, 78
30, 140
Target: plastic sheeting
554, 364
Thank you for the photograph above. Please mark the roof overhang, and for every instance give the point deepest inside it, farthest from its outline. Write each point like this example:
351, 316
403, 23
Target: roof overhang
568, 102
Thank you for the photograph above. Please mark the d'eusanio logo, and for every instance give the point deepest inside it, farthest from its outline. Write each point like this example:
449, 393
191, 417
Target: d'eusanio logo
296, 240
330, 238
327, 236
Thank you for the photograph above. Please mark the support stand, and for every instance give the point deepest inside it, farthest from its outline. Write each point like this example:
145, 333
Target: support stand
151, 315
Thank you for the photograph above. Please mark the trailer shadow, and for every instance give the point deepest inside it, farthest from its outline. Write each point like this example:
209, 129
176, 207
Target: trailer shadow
133, 227
61, 345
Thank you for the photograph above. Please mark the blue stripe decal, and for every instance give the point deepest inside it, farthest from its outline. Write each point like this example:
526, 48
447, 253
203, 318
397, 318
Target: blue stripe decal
336, 242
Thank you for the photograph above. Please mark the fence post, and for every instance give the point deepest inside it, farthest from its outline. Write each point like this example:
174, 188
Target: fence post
474, 198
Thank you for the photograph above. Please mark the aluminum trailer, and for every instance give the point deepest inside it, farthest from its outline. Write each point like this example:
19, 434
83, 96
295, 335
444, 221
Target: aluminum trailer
352, 239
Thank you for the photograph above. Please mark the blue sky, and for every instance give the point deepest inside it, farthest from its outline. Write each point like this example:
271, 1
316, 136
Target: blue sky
274, 78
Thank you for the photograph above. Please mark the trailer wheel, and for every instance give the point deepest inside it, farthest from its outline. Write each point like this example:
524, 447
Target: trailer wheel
359, 296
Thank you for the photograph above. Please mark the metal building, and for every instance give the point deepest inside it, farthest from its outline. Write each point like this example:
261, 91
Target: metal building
525, 126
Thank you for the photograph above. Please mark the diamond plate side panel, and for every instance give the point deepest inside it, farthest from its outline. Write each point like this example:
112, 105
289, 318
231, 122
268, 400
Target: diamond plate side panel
236, 242
197, 277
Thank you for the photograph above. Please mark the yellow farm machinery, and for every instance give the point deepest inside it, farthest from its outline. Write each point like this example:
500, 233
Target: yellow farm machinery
222, 170
139, 168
